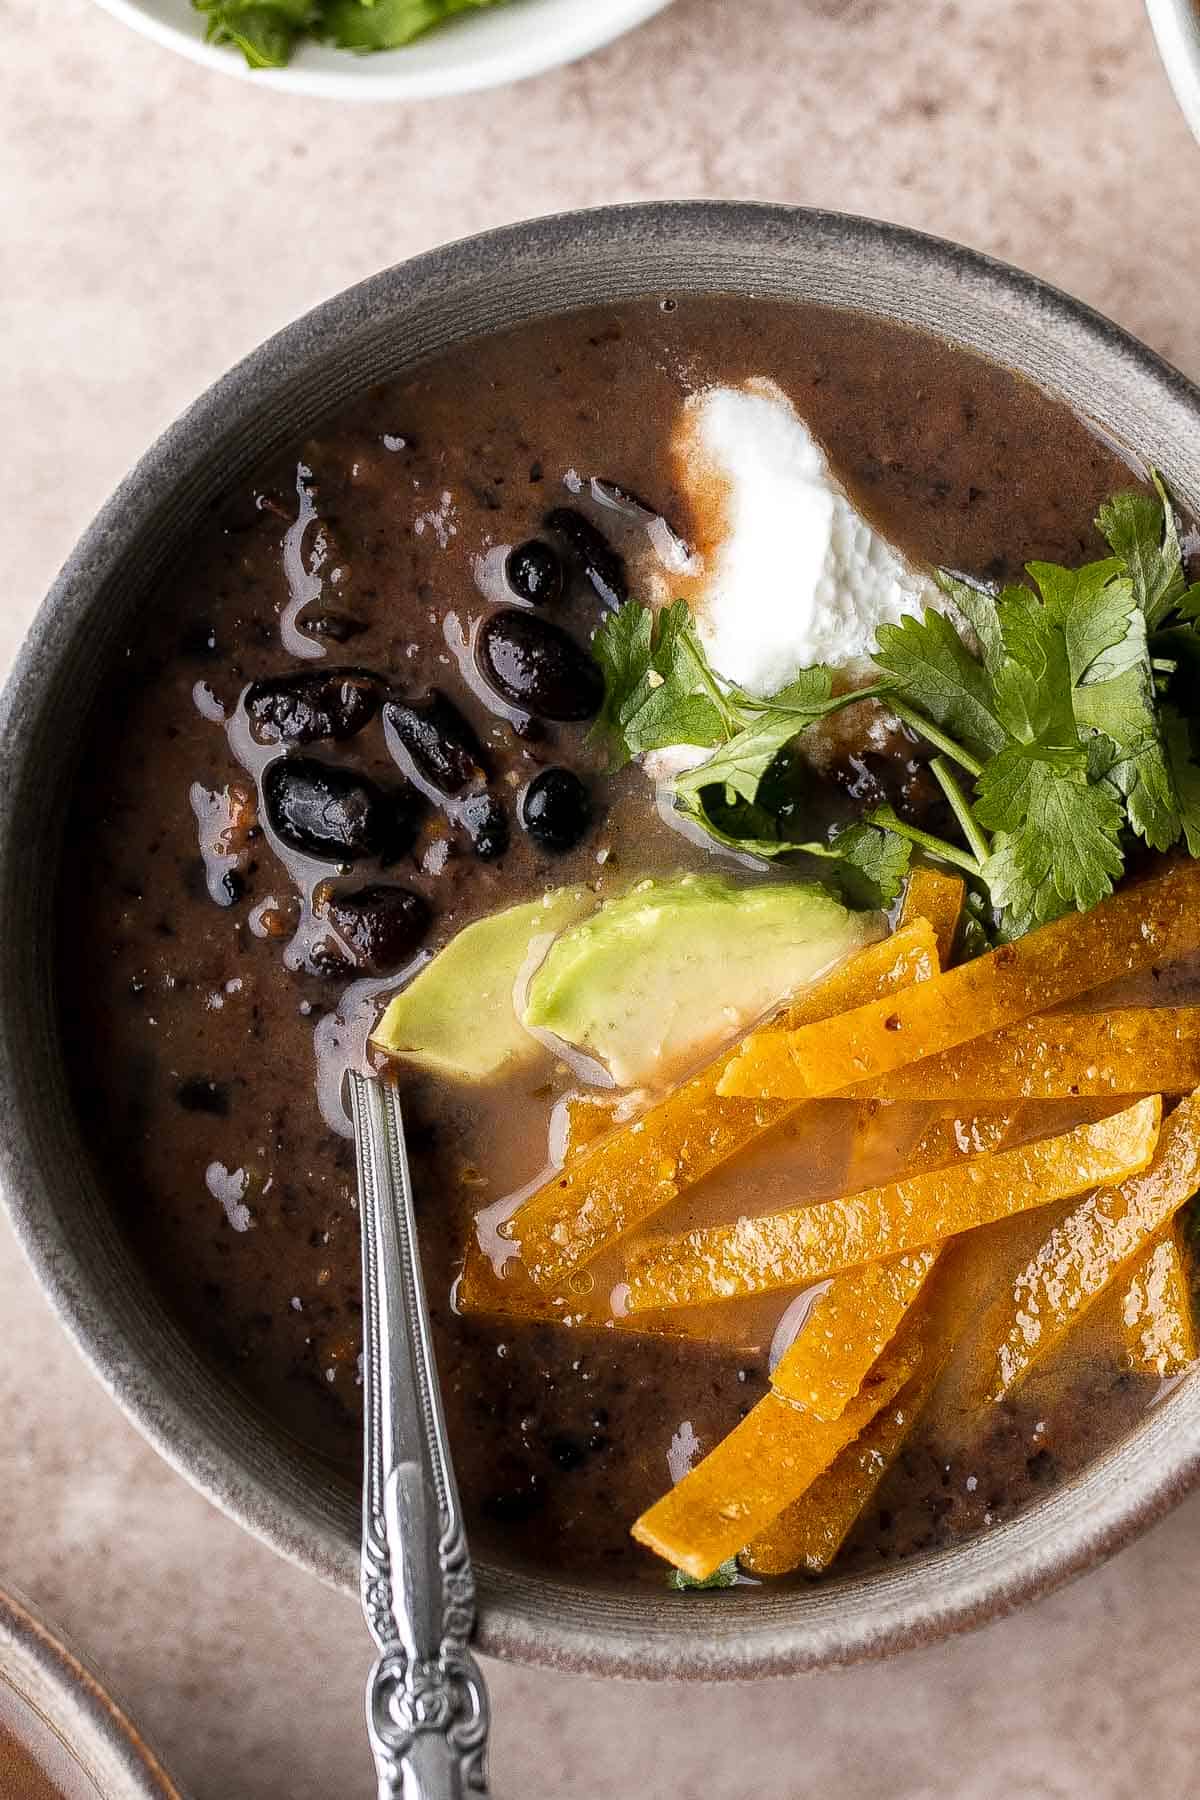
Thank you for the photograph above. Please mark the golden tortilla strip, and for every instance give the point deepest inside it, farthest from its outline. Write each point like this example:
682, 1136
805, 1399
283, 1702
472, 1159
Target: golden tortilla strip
1144, 923
630, 1173
809, 1533
1091, 1246
1157, 1313
764, 1464
931, 894
482, 1293
790, 1249
849, 1327
1062, 1056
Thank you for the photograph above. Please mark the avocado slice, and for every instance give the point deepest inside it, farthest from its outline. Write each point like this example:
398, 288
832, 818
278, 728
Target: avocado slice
458, 1015
662, 976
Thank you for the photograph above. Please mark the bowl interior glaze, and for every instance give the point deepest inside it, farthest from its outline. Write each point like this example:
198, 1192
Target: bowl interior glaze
371, 333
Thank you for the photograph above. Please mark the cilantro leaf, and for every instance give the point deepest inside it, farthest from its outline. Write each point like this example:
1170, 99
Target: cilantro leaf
1124, 710
1185, 775
978, 608
741, 764
658, 688
1057, 835
938, 674
871, 863
723, 1577
1141, 531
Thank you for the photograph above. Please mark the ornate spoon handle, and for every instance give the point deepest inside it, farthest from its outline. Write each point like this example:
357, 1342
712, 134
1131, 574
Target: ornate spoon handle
427, 1708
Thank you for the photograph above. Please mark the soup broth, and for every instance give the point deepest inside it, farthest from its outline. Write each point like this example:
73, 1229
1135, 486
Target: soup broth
209, 1019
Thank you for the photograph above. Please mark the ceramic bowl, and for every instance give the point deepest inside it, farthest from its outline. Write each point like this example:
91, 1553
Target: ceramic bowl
62, 1719
475, 50
374, 332
1177, 29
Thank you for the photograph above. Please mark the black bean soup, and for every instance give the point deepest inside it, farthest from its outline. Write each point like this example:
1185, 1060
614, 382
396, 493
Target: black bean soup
403, 606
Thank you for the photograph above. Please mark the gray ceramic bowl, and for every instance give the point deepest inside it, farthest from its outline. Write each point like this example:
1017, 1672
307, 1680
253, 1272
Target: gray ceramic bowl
376, 331
62, 1716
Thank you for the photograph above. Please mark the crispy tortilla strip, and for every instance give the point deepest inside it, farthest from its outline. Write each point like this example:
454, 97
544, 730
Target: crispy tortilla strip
1157, 1316
879, 1128
849, 1327
631, 1173
482, 1293
764, 1464
809, 1533
790, 1249
1145, 923
1062, 1056
1093, 1244
932, 895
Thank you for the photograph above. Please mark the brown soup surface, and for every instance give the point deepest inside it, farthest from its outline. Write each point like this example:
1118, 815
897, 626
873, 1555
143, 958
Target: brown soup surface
210, 1011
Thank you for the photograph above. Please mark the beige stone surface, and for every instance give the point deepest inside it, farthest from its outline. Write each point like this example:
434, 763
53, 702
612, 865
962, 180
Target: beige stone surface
156, 222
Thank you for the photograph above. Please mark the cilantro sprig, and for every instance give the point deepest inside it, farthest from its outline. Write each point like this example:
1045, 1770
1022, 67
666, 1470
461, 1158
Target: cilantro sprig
1059, 709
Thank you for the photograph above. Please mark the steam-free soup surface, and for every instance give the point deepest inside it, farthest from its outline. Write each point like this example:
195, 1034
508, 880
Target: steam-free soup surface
197, 1071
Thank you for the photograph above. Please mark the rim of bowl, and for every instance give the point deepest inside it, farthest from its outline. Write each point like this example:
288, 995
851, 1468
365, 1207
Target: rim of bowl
548, 43
1176, 25
156, 1377
61, 1689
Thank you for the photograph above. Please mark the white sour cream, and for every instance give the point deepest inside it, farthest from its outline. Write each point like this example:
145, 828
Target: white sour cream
792, 575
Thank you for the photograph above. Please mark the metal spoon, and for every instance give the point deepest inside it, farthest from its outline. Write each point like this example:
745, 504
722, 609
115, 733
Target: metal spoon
427, 1706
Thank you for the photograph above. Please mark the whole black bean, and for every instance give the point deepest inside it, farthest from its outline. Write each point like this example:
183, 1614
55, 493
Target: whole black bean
378, 928
603, 566
485, 822
536, 666
556, 809
316, 703
439, 741
334, 813
534, 573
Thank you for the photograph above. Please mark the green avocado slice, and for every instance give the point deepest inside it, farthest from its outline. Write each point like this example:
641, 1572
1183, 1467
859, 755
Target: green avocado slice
662, 976
459, 1015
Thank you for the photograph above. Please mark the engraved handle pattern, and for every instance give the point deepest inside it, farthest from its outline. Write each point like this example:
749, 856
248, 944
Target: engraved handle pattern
427, 1708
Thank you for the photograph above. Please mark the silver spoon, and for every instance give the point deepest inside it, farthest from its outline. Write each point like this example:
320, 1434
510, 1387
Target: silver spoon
427, 1706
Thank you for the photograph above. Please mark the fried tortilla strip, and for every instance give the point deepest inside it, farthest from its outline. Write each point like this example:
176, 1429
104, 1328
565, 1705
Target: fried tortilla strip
790, 1249
1090, 1247
1062, 1056
482, 1293
849, 1327
1143, 924
1157, 1314
764, 1464
931, 894
629, 1174
937, 898
860, 1311
809, 1533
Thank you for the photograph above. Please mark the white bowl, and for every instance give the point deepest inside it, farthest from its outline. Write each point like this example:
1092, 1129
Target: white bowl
473, 50
1177, 28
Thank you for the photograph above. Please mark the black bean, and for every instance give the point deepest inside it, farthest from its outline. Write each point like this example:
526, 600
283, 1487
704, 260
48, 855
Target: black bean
199, 1094
316, 703
556, 809
438, 740
536, 666
534, 573
603, 566
379, 927
485, 822
334, 813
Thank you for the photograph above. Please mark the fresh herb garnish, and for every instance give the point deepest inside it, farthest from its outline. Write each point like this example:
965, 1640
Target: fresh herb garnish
267, 31
723, 1577
1052, 706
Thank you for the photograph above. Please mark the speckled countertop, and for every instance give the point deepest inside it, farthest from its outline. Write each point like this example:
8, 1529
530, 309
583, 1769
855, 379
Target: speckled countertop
157, 222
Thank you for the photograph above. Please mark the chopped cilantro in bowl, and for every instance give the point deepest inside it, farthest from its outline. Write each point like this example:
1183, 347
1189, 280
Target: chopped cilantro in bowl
267, 31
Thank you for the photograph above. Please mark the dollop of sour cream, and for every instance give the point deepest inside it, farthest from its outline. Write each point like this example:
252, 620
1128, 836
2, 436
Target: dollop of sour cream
791, 573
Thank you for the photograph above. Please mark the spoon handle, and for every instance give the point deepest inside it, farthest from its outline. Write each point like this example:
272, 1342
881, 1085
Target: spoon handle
427, 1706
